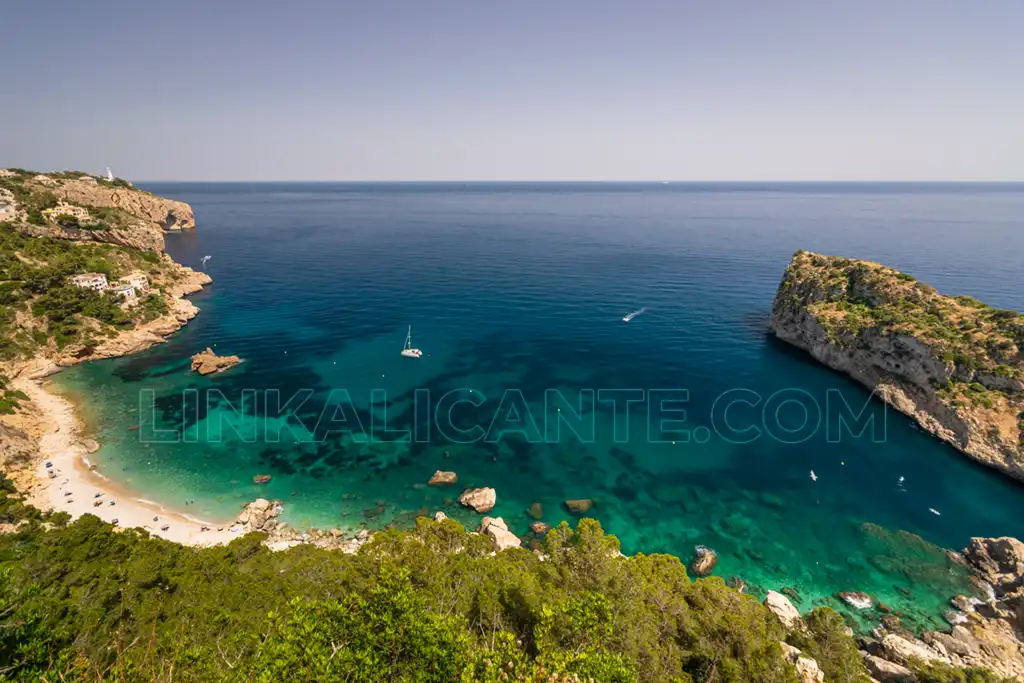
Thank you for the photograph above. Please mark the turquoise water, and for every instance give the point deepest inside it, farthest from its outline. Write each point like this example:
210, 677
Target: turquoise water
523, 287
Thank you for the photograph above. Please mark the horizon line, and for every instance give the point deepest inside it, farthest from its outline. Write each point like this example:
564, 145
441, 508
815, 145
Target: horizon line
591, 181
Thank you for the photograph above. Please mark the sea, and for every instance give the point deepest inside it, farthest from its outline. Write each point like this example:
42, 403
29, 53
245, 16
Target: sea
689, 425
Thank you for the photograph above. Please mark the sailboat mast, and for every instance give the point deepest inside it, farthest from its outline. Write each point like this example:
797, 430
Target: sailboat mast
408, 338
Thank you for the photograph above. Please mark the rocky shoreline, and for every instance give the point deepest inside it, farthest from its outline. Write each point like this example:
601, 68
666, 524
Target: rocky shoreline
986, 633
953, 364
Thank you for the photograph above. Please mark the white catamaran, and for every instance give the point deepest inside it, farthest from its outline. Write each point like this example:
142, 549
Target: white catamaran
408, 351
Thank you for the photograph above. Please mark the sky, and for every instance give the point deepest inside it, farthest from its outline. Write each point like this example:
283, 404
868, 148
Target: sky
515, 90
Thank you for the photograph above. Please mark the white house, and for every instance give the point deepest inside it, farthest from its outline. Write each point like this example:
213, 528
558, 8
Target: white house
94, 281
126, 292
64, 209
7, 173
138, 281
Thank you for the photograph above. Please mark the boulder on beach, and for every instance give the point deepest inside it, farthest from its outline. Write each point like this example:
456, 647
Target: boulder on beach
579, 506
496, 529
256, 515
89, 445
442, 478
481, 500
704, 561
207, 362
440, 516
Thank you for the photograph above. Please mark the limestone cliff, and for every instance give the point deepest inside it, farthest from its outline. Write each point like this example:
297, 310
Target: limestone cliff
954, 364
113, 212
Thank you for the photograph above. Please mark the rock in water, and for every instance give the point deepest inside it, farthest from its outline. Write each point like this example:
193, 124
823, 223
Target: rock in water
857, 600
89, 445
540, 528
536, 511
207, 362
441, 478
580, 506
261, 479
781, 607
704, 561
497, 530
481, 500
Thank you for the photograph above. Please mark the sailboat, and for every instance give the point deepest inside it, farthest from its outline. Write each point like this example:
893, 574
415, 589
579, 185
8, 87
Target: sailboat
408, 351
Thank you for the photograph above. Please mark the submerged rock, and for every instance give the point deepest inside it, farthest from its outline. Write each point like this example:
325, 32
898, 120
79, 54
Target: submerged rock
480, 500
579, 506
536, 511
261, 479
540, 528
442, 478
857, 600
207, 362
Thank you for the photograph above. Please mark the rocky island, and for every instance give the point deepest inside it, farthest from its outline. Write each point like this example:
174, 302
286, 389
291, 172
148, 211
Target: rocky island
207, 362
954, 364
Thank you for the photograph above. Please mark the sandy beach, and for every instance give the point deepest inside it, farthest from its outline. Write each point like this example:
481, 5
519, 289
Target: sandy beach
78, 488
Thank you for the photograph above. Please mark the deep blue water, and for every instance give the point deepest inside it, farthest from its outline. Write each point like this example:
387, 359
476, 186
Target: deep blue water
520, 286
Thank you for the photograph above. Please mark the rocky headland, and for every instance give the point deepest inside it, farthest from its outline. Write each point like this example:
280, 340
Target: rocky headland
954, 364
74, 206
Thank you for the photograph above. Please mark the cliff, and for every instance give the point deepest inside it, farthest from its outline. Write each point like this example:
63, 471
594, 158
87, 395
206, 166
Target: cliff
73, 206
954, 364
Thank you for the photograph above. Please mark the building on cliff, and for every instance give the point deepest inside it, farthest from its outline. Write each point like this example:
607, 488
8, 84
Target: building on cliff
94, 281
126, 292
7, 173
64, 209
137, 281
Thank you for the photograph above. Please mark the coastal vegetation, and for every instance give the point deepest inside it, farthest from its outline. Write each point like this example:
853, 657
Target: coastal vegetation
39, 305
85, 602
863, 296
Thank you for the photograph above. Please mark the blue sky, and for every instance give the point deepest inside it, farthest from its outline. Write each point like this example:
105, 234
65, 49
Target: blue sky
483, 90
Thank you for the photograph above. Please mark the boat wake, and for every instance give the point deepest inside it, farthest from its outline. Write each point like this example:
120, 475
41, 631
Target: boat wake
634, 314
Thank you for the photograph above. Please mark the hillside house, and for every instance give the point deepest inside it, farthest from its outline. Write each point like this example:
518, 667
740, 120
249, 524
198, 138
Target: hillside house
126, 292
94, 281
65, 209
138, 281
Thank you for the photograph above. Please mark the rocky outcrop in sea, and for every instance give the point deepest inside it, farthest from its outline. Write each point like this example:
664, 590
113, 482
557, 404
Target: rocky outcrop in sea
953, 364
